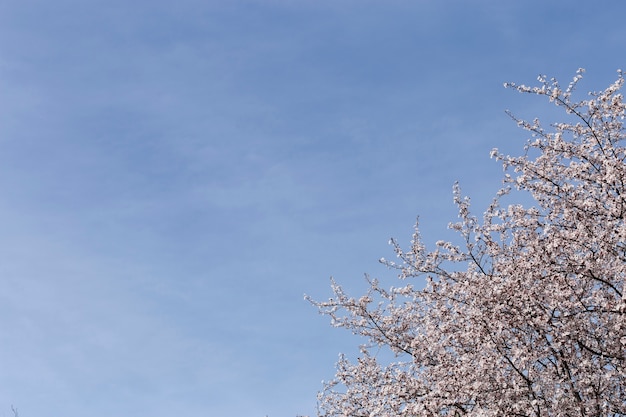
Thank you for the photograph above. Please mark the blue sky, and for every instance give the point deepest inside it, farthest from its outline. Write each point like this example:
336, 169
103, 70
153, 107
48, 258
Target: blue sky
174, 176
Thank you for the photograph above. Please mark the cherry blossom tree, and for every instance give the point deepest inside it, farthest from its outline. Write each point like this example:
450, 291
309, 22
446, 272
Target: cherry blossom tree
524, 315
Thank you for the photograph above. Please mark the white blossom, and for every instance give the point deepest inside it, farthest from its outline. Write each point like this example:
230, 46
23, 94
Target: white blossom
527, 317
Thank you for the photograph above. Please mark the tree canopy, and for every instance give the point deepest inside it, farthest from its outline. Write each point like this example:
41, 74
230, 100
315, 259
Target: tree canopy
526, 314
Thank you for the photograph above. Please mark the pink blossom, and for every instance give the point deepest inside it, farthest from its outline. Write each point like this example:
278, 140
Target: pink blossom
527, 316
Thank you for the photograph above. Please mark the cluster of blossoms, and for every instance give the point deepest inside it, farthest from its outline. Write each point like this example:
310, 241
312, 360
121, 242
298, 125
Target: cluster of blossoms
527, 316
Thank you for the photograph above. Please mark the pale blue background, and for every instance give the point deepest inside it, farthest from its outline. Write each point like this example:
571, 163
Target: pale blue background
175, 175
